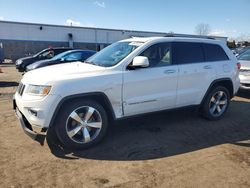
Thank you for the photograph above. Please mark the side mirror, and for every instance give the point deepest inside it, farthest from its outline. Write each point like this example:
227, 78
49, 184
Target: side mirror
140, 61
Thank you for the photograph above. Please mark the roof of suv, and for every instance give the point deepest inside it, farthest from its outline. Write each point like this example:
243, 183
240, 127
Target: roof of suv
169, 38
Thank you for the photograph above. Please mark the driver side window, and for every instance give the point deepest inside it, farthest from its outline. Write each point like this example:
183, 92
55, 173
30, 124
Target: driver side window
76, 56
47, 54
158, 55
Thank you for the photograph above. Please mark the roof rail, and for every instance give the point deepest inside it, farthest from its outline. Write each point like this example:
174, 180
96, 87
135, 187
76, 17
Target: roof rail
188, 36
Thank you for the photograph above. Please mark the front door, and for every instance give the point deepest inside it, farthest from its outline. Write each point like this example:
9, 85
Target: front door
152, 88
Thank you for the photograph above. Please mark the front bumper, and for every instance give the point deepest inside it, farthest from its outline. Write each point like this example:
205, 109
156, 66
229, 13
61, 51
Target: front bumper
244, 81
38, 135
20, 68
38, 112
245, 86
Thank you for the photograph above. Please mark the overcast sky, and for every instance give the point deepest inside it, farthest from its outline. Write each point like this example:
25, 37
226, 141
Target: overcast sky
229, 18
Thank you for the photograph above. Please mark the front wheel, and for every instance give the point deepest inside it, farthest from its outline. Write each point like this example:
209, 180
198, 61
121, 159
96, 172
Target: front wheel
216, 103
81, 124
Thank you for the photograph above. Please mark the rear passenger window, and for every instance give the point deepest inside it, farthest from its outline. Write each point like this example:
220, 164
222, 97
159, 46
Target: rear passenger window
187, 52
214, 52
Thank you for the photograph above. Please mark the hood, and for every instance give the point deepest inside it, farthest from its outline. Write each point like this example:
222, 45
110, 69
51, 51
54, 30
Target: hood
54, 73
40, 63
244, 64
25, 58
26, 61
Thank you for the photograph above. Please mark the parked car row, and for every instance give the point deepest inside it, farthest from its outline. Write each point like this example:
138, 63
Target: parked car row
238, 51
65, 57
244, 59
52, 56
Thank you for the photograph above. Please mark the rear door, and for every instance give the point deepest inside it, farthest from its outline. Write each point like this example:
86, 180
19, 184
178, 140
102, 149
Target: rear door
195, 74
216, 55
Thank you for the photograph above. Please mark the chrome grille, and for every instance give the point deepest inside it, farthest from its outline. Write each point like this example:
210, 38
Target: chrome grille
20, 88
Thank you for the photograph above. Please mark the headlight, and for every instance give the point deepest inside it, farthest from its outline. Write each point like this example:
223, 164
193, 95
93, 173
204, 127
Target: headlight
18, 62
38, 90
28, 68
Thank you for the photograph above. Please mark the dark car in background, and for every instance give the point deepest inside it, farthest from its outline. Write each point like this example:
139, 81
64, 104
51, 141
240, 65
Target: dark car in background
47, 53
65, 57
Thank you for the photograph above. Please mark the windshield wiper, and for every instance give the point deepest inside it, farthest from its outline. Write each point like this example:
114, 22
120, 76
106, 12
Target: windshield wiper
92, 63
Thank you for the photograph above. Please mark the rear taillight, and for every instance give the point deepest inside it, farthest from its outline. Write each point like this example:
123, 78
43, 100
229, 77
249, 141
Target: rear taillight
238, 66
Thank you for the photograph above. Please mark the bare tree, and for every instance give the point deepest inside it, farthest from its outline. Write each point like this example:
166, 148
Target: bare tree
202, 29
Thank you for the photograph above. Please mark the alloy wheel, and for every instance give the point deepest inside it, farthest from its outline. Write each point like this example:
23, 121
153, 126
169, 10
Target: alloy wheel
218, 103
84, 124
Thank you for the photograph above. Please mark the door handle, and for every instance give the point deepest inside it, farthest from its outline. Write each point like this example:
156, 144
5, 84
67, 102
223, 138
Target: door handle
169, 71
207, 67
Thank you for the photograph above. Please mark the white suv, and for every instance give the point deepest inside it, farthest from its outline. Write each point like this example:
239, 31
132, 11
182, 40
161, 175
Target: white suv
130, 77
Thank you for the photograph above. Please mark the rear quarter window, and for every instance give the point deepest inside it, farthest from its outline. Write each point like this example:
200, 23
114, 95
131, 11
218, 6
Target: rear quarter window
187, 52
214, 52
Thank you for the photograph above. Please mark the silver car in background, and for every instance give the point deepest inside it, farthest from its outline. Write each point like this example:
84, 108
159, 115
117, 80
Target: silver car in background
244, 60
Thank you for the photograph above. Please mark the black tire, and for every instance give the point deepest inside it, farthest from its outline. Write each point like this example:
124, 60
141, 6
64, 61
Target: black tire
206, 106
62, 123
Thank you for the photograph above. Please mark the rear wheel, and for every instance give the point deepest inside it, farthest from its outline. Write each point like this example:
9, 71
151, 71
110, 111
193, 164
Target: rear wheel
216, 103
81, 124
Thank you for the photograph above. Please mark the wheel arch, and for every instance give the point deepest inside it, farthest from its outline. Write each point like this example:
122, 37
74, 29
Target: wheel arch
226, 82
99, 97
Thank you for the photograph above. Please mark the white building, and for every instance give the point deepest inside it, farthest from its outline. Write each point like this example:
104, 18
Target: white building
19, 39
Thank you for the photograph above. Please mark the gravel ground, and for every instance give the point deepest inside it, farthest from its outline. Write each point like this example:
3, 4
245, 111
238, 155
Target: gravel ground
167, 149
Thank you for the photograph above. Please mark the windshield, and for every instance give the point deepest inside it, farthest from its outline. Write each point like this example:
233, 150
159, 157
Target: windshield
113, 54
60, 56
39, 53
245, 55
